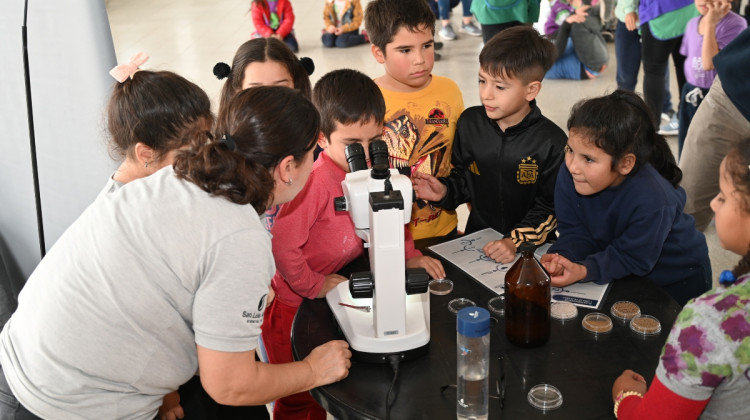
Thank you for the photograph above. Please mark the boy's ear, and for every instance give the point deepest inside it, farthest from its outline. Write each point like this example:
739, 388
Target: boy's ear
322, 142
377, 53
626, 164
533, 89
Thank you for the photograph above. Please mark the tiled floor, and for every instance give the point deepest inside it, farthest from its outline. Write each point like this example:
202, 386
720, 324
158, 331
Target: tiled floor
190, 36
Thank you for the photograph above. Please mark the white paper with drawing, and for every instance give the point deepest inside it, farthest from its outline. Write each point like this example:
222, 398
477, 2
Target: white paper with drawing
466, 253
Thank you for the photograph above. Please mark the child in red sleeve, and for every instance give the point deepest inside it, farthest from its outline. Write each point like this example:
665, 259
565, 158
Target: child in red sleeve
274, 18
311, 241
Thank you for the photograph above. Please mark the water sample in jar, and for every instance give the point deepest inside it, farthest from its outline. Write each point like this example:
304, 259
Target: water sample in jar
472, 363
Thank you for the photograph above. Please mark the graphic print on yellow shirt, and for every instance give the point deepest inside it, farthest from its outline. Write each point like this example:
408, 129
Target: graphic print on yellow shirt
419, 129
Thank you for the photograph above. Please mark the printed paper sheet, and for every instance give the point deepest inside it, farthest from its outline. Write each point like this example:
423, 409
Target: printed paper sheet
466, 253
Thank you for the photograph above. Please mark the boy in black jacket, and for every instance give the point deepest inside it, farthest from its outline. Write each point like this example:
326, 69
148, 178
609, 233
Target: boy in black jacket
506, 154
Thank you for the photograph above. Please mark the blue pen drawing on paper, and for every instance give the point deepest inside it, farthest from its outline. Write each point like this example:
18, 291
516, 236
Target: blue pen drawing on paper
466, 253
474, 248
565, 291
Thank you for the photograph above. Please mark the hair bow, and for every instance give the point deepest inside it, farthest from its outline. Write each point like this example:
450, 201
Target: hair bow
123, 71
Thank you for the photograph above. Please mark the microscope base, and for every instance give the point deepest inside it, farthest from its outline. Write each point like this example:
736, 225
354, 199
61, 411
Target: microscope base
383, 357
359, 331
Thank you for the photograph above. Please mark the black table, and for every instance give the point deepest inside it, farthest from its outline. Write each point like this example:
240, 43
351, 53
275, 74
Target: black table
581, 365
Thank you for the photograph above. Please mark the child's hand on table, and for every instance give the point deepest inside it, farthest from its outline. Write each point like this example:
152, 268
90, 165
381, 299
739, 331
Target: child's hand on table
331, 281
433, 267
502, 251
562, 271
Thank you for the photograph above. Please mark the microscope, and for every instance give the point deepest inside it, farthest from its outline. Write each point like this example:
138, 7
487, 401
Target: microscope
386, 310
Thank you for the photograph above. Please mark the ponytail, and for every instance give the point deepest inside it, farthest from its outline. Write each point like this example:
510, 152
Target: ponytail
160, 109
227, 174
620, 123
257, 130
743, 266
662, 159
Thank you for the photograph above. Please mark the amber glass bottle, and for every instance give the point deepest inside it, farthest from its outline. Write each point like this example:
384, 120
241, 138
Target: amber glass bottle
527, 300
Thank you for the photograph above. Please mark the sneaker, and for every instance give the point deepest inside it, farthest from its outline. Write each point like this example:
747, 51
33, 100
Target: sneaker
364, 34
667, 116
438, 56
671, 128
438, 45
471, 29
608, 36
447, 33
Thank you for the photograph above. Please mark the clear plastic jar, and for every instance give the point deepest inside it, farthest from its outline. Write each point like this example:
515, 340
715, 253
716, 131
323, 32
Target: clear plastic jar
473, 363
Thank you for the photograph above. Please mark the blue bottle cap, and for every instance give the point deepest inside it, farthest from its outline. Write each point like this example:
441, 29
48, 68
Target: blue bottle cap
473, 321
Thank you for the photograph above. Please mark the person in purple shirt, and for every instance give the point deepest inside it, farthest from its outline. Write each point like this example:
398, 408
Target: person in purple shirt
705, 36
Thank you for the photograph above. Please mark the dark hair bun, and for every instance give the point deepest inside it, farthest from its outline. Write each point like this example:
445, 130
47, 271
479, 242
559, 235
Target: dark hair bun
307, 64
222, 70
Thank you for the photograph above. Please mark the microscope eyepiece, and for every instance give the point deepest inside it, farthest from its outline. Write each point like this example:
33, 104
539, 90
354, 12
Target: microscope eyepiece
379, 159
355, 156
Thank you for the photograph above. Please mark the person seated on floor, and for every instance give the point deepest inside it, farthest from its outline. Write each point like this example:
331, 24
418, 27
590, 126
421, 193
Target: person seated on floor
342, 20
575, 28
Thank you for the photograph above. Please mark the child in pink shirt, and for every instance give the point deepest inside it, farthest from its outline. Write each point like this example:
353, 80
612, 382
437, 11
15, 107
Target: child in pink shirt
311, 241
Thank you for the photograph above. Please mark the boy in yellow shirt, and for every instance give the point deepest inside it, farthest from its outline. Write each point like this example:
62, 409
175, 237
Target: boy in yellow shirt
421, 109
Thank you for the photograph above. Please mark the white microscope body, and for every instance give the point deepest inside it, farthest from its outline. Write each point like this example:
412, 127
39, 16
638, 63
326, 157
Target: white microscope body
399, 322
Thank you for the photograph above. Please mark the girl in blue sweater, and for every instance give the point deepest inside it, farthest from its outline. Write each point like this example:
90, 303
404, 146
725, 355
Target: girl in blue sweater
619, 205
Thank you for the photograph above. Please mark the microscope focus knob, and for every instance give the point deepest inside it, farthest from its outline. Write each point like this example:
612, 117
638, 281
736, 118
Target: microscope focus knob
361, 284
417, 281
339, 204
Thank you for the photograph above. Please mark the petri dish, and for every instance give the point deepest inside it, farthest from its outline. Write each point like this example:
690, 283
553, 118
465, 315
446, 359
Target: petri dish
563, 311
544, 397
645, 325
459, 303
597, 323
440, 286
625, 310
496, 305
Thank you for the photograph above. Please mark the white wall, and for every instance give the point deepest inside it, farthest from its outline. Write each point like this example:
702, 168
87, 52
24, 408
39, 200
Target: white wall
70, 53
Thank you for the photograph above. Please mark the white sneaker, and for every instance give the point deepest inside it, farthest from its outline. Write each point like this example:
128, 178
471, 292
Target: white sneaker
671, 128
471, 29
447, 33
